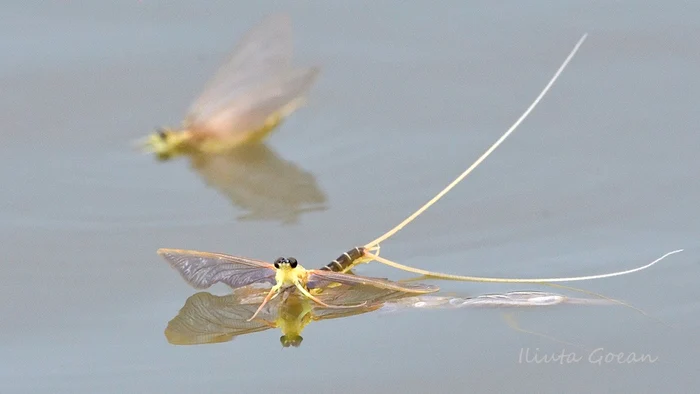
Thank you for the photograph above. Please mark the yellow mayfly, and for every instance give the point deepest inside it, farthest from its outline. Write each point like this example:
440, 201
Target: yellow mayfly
246, 99
202, 269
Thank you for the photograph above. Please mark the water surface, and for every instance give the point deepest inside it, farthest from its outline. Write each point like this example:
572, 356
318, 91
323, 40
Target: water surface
602, 177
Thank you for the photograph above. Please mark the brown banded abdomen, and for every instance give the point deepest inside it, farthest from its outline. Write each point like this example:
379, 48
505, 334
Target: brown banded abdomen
345, 260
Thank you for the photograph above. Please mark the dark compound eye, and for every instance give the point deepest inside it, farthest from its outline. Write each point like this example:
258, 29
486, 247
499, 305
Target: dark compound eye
291, 341
278, 262
163, 135
284, 341
292, 262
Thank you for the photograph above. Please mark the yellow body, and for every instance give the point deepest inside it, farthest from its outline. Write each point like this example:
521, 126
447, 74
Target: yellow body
294, 315
168, 143
287, 276
246, 98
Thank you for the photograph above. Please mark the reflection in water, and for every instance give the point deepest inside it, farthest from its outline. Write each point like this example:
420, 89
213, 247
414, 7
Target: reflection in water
206, 318
256, 179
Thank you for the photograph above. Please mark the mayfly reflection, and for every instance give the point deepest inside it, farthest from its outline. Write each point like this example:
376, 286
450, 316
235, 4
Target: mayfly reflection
207, 318
247, 98
254, 178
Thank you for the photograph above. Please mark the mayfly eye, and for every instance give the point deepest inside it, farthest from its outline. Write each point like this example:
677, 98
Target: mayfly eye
292, 262
278, 261
163, 135
284, 341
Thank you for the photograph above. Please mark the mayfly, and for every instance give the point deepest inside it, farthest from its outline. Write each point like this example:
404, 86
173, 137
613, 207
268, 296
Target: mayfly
246, 99
203, 269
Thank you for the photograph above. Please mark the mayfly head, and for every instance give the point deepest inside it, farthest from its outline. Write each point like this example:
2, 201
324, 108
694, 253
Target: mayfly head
165, 143
291, 340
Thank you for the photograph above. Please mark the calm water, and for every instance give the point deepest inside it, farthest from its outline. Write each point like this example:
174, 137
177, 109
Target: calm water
602, 177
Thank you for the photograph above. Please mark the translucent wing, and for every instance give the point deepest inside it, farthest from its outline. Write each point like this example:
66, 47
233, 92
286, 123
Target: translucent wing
244, 111
321, 313
206, 318
256, 83
374, 296
323, 279
265, 50
202, 269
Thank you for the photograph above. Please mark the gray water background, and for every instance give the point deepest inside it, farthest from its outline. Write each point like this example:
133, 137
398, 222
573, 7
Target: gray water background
602, 177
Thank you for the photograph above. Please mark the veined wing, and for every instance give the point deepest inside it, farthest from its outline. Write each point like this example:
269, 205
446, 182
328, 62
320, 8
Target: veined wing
203, 269
265, 50
318, 279
321, 313
206, 318
259, 106
357, 294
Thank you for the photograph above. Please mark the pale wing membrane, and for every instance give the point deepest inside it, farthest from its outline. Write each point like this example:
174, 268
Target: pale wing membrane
321, 313
325, 278
265, 50
206, 318
254, 108
357, 294
202, 269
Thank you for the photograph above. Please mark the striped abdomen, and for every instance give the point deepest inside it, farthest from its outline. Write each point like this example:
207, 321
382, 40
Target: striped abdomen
345, 260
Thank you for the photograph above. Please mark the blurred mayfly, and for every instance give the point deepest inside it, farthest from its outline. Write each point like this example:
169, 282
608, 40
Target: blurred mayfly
203, 269
247, 98
207, 318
